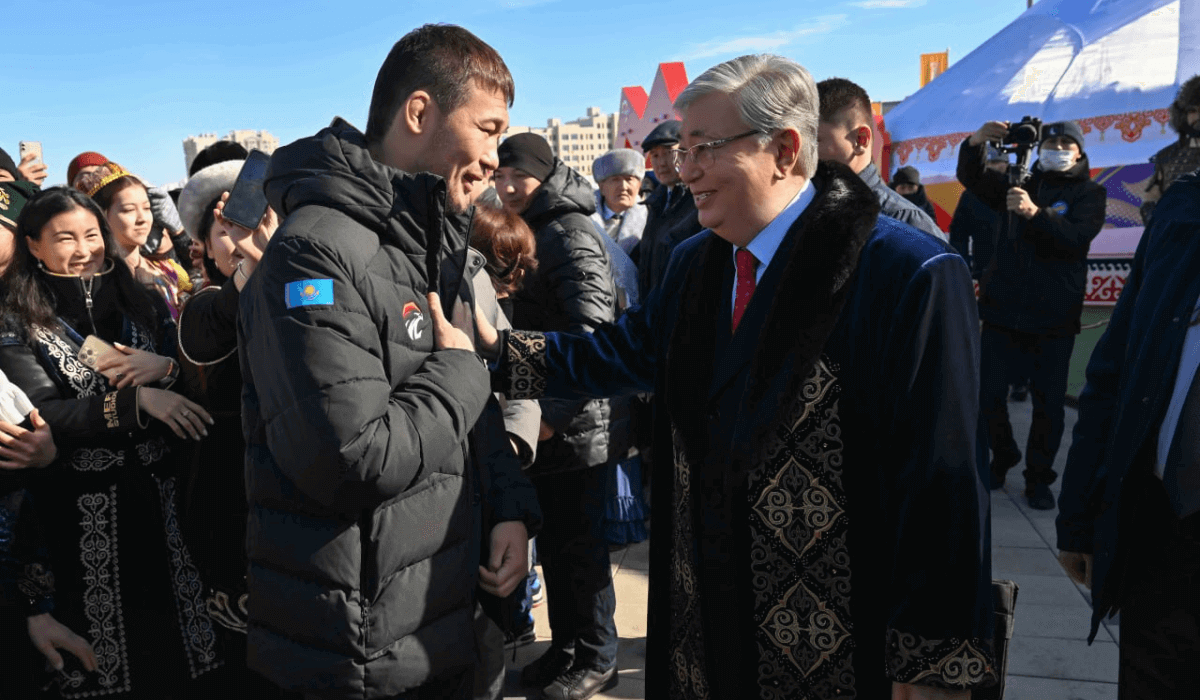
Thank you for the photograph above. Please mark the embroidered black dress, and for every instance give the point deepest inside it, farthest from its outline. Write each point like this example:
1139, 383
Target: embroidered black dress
123, 578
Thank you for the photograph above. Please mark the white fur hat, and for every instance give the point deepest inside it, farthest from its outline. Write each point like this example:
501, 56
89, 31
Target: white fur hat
200, 191
622, 161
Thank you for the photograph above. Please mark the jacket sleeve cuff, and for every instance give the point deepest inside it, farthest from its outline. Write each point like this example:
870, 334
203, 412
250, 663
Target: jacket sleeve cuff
522, 372
953, 663
116, 410
36, 584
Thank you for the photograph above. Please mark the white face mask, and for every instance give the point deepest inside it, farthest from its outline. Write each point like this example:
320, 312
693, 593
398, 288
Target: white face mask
1057, 161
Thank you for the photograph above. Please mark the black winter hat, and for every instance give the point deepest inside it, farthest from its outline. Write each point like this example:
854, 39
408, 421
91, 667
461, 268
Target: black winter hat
908, 175
7, 163
528, 152
219, 152
1069, 129
666, 133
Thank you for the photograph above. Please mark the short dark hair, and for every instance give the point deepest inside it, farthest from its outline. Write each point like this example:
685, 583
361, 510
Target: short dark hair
442, 59
837, 94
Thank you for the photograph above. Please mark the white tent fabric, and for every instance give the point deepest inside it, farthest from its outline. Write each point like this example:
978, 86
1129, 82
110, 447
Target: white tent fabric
1113, 65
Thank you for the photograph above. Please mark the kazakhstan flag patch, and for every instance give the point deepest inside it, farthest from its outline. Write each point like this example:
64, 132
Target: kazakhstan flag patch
308, 293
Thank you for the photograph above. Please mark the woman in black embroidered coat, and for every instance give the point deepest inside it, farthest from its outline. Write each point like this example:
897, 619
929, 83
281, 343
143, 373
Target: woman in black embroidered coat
212, 488
123, 578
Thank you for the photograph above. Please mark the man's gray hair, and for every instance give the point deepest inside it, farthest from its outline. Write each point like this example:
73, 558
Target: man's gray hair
771, 93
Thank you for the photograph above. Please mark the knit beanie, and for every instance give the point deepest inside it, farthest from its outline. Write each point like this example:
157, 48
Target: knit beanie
13, 198
528, 152
1069, 129
666, 133
908, 175
81, 161
201, 189
6, 163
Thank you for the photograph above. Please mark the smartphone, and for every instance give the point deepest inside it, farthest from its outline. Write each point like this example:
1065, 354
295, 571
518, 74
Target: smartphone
34, 147
247, 202
91, 350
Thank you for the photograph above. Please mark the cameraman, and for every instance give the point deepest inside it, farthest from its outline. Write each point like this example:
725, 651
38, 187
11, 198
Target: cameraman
1031, 293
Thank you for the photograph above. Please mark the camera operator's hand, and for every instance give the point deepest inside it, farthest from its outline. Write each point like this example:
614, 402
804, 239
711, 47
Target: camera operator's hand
991, 131
1019, 202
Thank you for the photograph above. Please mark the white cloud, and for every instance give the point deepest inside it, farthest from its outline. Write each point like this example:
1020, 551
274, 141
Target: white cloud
765, 42
879, 4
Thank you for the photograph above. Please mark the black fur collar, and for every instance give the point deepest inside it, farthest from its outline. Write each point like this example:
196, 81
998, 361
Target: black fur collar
806, 305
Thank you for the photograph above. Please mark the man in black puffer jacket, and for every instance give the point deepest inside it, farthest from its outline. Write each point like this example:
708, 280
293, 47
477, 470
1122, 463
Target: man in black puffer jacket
572, 290
370, 481
1031, 293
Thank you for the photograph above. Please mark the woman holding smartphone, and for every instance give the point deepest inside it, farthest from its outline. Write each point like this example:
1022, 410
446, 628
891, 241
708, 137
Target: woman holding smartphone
124, 580
212, 490
125, 201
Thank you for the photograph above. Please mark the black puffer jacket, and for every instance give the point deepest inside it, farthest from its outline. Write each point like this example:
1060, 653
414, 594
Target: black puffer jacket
1037, 276
365, 505
572, 290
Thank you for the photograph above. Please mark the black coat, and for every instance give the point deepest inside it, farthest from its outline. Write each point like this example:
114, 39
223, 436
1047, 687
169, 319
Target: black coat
572, 290
893, 204
666, 227
974, 231
920, 200
1036, 280
1106, 508
364, 487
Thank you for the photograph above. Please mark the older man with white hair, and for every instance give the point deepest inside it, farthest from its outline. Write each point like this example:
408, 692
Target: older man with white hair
821, 532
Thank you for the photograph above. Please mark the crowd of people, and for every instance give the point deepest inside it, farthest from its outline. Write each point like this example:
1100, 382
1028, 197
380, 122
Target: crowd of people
307, 459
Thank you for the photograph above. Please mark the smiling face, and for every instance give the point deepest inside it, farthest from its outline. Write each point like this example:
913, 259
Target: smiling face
515, 188
219, 247
620, 191
129, 216
734, 196
459, 146
70, 243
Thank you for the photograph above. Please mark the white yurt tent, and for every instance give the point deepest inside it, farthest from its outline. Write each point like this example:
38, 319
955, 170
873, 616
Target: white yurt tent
1112, 65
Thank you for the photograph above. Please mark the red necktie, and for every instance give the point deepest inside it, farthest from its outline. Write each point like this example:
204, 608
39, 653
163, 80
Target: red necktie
745, 283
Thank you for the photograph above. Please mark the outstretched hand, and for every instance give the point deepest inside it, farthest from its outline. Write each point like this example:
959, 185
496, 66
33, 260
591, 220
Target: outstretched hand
447, 335
50, 635
22, 449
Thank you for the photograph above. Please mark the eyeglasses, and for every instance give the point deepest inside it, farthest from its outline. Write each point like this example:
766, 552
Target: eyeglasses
705, 154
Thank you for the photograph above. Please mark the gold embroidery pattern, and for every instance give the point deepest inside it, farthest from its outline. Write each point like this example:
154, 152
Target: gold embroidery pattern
943, 663
526, 364
224, 611
687, 679
800, 563
111, 419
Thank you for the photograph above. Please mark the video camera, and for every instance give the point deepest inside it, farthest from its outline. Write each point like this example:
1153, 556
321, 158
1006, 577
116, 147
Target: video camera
1021, 138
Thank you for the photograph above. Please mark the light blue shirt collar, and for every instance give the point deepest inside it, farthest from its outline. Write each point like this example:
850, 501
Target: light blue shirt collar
767, 242
606, 213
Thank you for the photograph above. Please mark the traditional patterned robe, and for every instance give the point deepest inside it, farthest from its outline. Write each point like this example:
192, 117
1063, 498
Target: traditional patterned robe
120, 575
823, 530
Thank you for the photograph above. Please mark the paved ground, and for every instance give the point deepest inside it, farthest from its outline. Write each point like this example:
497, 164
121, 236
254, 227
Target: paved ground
1049, 658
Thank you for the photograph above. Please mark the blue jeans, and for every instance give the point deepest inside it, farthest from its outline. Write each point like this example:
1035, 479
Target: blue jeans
580, 599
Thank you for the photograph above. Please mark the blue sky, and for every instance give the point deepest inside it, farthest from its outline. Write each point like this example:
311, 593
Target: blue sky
131, 79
